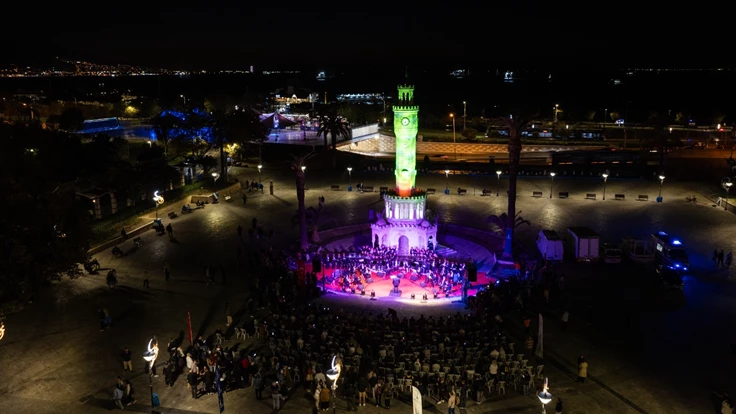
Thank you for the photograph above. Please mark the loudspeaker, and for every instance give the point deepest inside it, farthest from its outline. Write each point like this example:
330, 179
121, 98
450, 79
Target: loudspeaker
472, 273
414, 278
316, 265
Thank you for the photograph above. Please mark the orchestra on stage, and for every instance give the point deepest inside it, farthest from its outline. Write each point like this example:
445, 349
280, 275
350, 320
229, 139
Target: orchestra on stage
351, 272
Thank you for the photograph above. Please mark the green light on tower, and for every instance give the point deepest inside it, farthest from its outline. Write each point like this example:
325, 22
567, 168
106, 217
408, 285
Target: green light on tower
406, 126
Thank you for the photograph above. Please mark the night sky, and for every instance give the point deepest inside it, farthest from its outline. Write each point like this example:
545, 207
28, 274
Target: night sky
285, 33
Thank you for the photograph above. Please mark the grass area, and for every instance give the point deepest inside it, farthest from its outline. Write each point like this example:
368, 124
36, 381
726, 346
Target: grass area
128, 218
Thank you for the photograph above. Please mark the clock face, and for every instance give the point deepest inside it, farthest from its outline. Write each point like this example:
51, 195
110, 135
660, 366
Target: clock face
405, 121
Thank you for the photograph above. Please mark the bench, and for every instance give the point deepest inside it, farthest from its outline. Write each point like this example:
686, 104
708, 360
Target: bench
228, 198
461, 191
335, 187
537, 194
172, 215
367, 188
642, 197
619, 197
137, 241
564, 194
590, 196
431, 191
383, 190
487, 192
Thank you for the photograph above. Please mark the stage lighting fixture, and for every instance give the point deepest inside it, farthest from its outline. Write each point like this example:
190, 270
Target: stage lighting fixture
362, 292
424, 297
373, 293
435, 295
412, 296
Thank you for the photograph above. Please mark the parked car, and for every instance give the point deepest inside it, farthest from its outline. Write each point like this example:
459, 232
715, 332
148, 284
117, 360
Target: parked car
611, 253
670, 278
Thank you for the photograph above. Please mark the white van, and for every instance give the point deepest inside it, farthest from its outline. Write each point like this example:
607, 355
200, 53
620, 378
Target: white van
550, 245
611, 253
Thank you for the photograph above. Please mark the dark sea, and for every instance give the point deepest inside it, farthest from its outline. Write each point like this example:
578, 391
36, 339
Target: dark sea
701, 95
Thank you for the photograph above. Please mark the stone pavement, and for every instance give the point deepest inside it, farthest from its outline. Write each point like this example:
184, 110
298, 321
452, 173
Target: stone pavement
57, 360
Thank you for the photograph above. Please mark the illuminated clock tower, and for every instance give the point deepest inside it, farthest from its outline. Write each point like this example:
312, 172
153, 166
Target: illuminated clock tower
406, 128
402, 223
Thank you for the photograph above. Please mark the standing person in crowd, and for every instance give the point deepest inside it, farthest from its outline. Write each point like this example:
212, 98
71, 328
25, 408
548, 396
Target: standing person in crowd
558, 406
388, 392
362, 387
258, 385
451, 403
170, 231
127, 363
324, 396
192, 382
349, 395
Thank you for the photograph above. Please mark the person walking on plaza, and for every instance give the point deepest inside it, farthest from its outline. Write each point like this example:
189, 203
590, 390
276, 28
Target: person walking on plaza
127, 363
245, 198
558, 406
729, 257
563, 320
228, 315
170, 231
720, 259
123, 234
276, 396
145, 279
167, 272
240, 231
255, 223
715, 257
582, 369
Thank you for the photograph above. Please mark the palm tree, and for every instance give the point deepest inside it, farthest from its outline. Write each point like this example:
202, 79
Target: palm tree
163, 126
516, 125
334, 125
501, 222
234, 127
297, 162
318, 218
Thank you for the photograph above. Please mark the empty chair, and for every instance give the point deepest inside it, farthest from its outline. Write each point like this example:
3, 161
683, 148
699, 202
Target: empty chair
501, 387
511, 347
540, 368
523, 363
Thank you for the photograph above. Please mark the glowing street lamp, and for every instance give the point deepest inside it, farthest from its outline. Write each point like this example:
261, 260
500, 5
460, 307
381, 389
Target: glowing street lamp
465, 113
350, 178
726, 184
552, 174
158, 199
150, 357
498, 180
544, 396
454, 140
304, 167
447, 177
333, 374
259, 172
661, 181
605, 178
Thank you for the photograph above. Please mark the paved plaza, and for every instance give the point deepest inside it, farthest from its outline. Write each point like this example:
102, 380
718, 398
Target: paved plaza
649, 351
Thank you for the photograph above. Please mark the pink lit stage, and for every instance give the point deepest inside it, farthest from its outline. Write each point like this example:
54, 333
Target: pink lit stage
383, 286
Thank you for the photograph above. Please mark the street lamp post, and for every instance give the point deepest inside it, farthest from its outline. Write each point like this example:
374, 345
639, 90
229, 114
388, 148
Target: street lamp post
304, 167
465, 113
350, 178
544, 396
555, 112
552, 174
158, 200
498, 180
150, 357
605, 178
605, 118
333, 374
454, 137
259, 173
447, 178
185, 99
661, 181
727, 185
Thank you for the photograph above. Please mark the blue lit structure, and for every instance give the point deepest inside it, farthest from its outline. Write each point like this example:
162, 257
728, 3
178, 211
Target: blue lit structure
204, 132
95, 126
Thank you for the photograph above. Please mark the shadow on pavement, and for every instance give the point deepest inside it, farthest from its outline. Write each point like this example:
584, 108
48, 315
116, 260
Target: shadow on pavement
138, 408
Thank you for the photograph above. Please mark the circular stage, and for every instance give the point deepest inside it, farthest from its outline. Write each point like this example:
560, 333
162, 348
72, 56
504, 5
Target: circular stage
380, 285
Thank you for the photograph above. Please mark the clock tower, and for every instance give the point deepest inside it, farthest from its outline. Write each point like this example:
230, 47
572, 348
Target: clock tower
402, 224
405, 128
